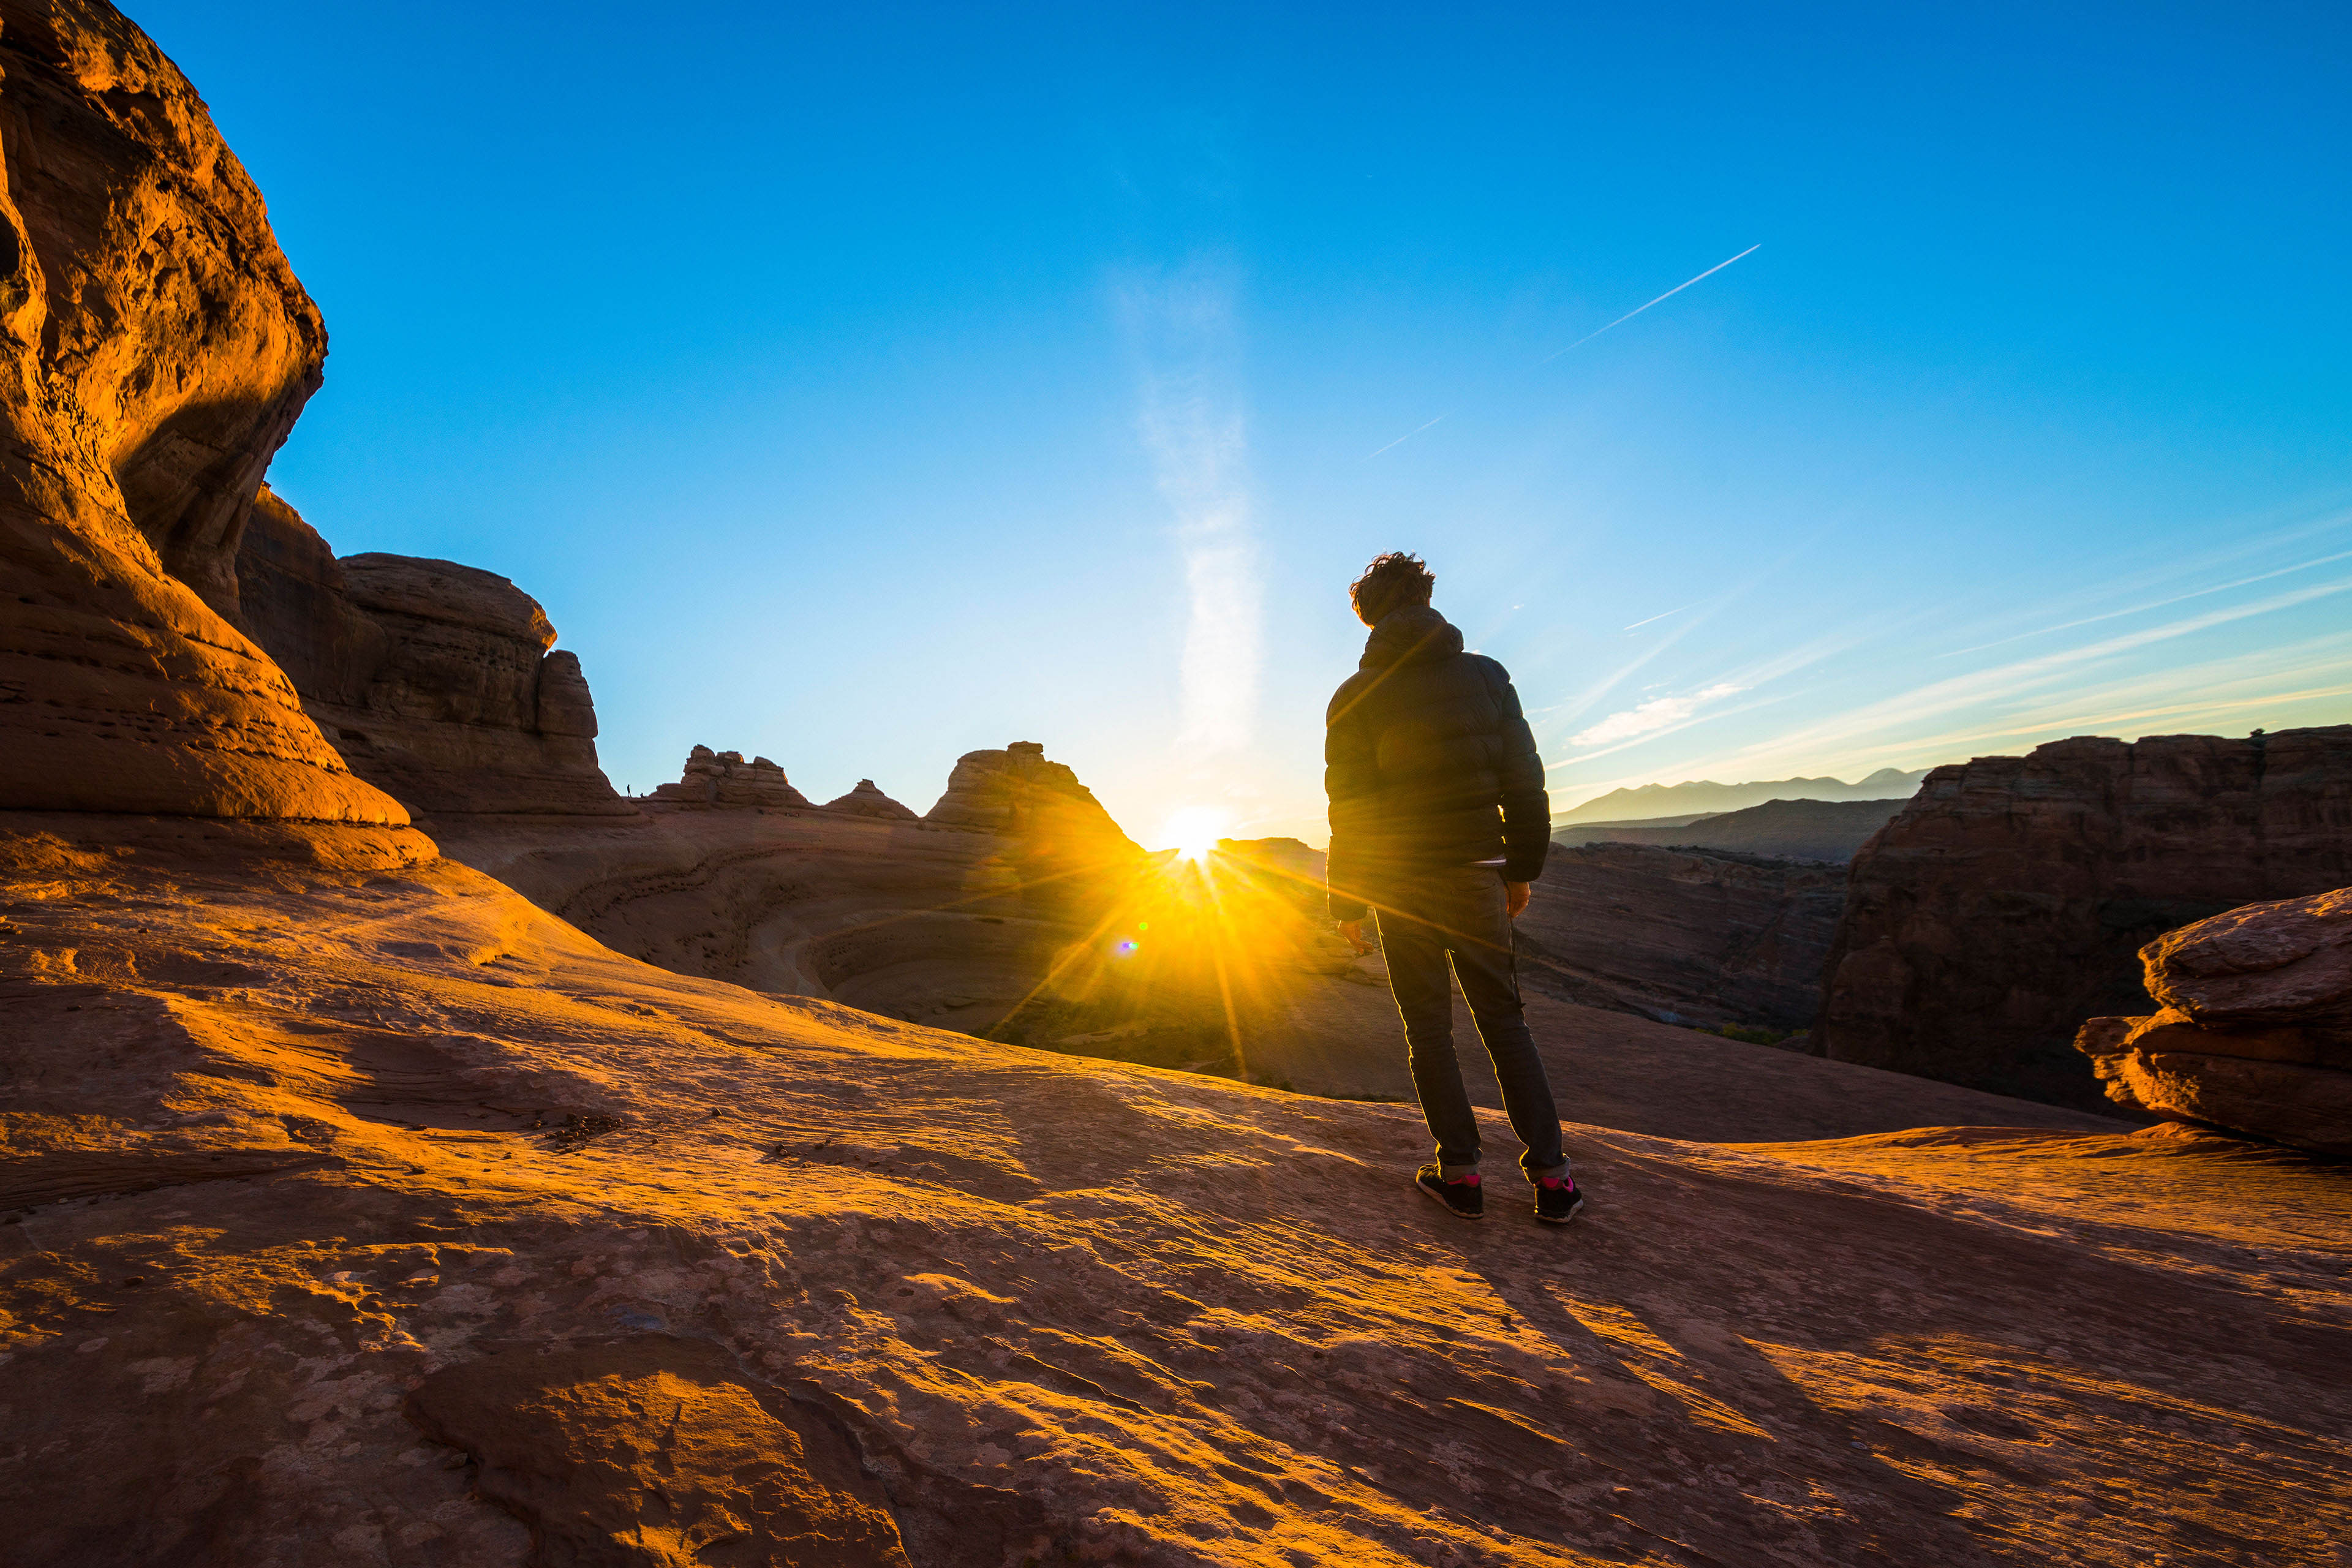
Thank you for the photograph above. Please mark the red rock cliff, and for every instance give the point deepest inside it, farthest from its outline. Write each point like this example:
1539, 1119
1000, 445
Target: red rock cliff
154, 350
2010, 900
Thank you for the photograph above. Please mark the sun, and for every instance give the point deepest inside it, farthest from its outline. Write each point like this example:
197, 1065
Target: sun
1194, 831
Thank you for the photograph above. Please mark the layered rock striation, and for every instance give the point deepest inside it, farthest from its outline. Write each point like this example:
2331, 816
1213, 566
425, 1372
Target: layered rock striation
2255, 1033
437, 682
2010, 900
725, 779
1690, 937
157, 349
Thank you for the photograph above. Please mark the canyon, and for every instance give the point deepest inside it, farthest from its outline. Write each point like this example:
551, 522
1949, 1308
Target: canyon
2010, 900
412, 1152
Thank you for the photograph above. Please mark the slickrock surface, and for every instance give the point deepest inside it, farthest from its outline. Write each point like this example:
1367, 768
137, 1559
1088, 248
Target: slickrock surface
2010, 900
2255, 1029
157, 350
434, 681
364, 1209
724, 778
1682, 936
868, 801
1783, 829
898, 918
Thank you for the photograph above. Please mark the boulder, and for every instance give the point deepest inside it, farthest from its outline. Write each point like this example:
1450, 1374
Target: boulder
868, 801
2012, 897
725, 779
2255, 1033
435, 680
157, 349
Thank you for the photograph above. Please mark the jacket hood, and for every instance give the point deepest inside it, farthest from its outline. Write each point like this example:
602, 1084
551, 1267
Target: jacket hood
1408, 635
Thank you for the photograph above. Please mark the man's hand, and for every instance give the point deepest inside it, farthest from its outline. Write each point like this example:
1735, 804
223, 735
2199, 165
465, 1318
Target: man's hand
1515, 898
1354, 931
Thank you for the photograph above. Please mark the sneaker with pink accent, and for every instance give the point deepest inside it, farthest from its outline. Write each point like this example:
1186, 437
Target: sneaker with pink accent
1557, 1199
1463, 1195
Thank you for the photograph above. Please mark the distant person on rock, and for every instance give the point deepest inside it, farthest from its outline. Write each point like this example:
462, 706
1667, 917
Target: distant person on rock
1439, 824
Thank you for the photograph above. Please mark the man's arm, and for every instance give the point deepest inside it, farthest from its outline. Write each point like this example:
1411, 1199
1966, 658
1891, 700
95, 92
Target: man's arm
1526, 804
1351, 783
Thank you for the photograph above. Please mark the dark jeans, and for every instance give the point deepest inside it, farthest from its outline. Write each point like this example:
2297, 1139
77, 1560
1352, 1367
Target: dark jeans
1457, 913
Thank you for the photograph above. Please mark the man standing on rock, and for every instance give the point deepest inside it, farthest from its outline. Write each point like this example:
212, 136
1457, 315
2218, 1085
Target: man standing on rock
1440, 823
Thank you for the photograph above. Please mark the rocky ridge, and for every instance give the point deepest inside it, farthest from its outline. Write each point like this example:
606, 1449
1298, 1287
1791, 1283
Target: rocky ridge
725, 779
868, 801
2255, 1033
1830, 830
437, 682
2010, 900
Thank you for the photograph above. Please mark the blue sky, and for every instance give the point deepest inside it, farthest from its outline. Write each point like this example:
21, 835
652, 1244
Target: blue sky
862, 385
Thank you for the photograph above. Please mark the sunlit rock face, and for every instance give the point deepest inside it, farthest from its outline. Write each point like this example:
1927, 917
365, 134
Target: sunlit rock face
868, 801
1063, 852
434, 681
158, 349
2010, 900
724, 778
1682, 936
2255, 1033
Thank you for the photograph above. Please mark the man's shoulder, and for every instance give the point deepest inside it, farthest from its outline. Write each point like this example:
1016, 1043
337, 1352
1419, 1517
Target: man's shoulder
1352, 692
1490, 670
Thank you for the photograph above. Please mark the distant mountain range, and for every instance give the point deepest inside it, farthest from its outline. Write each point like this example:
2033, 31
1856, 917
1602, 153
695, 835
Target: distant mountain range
1704, 797
1787, 829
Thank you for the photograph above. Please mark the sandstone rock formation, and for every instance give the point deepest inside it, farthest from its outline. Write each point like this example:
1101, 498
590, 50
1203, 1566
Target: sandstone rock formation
1690, 937
868, 801
2010, 900
158, 349
459, 1238
724, 778
1784, 830
435, 680
2255, 1029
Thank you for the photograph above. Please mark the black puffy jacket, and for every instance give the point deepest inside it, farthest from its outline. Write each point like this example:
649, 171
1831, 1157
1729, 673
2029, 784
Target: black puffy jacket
1428, 762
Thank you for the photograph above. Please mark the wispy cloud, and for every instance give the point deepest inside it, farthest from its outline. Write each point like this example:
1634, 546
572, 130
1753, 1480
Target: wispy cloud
1193, 423
1661, 615
1659, 301
2022, 702
1657, 714
1403, 438
2155, 605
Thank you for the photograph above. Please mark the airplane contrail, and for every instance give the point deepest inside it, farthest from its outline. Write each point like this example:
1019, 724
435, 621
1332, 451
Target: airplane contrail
1639, 308
1403, 438
1661, 615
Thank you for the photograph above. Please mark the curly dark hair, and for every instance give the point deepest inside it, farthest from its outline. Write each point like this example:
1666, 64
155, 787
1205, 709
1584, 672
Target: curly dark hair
1391, 583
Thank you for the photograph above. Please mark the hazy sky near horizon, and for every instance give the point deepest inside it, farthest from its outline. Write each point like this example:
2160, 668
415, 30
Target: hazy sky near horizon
860, 385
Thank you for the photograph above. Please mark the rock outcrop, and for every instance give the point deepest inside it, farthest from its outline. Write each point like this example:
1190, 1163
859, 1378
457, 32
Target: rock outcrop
725, 779
437, 681
868, 801
1829, 830
2010, 900
1704, 939
1063, 848
2255, 1033
157, 350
